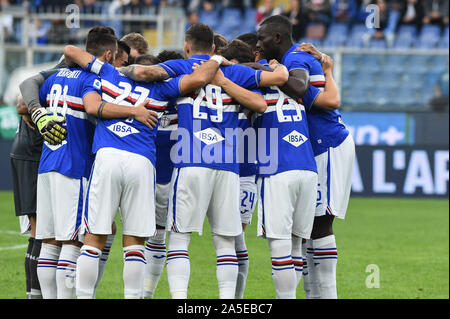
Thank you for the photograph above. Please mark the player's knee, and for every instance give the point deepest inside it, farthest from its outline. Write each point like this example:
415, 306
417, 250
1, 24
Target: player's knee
322, 227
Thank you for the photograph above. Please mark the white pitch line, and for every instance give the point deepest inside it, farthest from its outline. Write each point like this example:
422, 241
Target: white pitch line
13, 247
10, 232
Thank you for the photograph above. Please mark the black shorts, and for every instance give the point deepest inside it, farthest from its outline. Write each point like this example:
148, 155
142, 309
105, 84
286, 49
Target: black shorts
25, 185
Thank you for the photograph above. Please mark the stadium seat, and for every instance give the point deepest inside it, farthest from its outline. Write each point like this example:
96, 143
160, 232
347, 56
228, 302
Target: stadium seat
419, 62
336, 35
404, 43
429, 37
406, 96
371, 62
388, 78
380, 97
354, 43
315, 42
249, 24
357, 31
210, 18
365, 79
407, 31
377, 44
355, 97
230, 23
395, 62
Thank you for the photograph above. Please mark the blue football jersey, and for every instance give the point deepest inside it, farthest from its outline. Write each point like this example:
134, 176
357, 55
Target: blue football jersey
247, 165
168, 123
283, 136
208, 132
325, 126
129, 134
63, 94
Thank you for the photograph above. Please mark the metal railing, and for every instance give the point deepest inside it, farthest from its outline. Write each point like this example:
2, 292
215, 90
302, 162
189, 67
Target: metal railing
26, 48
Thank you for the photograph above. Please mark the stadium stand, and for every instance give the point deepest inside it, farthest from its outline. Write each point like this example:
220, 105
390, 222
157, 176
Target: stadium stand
415, 60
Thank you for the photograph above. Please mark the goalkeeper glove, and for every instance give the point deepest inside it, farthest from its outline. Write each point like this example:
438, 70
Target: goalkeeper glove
50, 126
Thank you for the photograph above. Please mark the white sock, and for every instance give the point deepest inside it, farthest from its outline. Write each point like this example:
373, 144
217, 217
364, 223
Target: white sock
283, 272
178, 265
133, 271
325, 258
227, 265
297, 257
65, 272
87, 271
310, 281
103, 259
155, 254
242, 255
46, 270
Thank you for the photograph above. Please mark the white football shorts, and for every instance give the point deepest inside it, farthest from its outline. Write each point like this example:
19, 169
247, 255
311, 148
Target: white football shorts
286, 203
59, 206
197, 192
125, 180
335, 169
249, 197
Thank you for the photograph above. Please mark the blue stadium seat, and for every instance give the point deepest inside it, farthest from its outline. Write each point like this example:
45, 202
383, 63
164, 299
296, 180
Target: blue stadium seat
249, 21
406, 96
407, 31
395, 62
354, 43
429, 37
230, 22
315, 42
357, 31
404, 43
380, 96
419, 62
377, 44
365, 79
333, 42
355, 97
388, 78
426, 43
209, 18
439, 62
371, 62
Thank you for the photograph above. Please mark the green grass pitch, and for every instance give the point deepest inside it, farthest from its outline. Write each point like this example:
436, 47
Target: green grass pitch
407, 240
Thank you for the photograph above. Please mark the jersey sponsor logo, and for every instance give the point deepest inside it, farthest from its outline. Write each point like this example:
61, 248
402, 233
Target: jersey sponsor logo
209, 136
121, 129
295, 138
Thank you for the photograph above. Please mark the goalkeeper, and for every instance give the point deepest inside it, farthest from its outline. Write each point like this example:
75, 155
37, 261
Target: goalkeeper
49, 126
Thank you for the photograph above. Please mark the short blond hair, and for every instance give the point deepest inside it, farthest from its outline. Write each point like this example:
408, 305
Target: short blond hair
136, 41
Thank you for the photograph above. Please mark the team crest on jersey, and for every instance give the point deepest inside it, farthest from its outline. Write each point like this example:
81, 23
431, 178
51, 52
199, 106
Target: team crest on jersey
165, 121
122, 129
209, 136
295, 138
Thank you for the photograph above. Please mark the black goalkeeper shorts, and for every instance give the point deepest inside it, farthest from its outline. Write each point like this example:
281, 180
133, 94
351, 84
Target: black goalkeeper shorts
25, 185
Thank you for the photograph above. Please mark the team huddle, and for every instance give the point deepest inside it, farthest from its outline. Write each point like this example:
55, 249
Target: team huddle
227, 128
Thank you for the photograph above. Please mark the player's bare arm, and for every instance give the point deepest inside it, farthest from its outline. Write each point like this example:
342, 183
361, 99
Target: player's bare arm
75, 55
329, 99
144, 73
22, 110
202, 75
278, 77
297, 84
249, 99
95, 106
